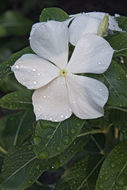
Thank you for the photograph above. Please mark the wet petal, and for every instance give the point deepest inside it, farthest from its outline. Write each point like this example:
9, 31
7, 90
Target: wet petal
87, 96
51, 101
81, 25
34, 72
50, 41
113, 25
92, 54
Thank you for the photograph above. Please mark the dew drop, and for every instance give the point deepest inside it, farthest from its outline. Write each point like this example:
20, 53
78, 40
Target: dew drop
125, 187
58, 149
73, 102
61, 116
122, 180
44, 96
34, 70
35, 82
78, 124
73, 131
43, 155
37, 140
70, 109
99, 63
112, 165
52, 167
121, 60
17, 67
101, 186
37, 167
49, 136
66, 140
38, 74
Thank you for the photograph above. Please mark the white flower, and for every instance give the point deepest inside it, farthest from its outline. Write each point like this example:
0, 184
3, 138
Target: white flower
59, 91
85, 23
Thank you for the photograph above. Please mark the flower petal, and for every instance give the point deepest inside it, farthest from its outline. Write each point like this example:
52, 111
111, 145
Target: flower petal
34, 72
92, 54
50, 41
51, 102
81, 25
113, 25
87, 96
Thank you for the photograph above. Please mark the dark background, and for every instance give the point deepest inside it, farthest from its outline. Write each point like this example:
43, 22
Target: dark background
32, 8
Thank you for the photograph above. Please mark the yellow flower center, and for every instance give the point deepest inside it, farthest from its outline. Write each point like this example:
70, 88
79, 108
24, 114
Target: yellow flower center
63, 72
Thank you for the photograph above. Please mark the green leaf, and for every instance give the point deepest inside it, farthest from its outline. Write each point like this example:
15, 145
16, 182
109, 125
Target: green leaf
119, 120
73, 177
5, 67
13, 23
15, 128
122, 22
118, 41
40, 187
53, 138
10, 84
116, 81
53, 14
18, 100
113, 174
20, 169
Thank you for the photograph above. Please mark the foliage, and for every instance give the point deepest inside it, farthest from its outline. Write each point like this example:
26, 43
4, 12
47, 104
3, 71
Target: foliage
88, 155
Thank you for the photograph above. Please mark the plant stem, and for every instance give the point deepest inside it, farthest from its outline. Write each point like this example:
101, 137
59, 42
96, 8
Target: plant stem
3, 150
91, 132
96, 131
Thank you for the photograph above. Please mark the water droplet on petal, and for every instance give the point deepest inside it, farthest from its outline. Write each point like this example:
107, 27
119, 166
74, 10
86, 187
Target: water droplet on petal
38, 74
17, 67
44, 96
35, 82
61, 116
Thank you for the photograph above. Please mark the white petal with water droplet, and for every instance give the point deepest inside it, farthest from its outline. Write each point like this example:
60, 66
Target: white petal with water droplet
50, 41
113, 25
93, 54
87, 96
27, 68
51, 102
81, 25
